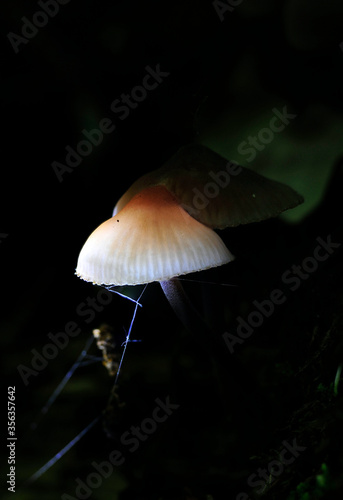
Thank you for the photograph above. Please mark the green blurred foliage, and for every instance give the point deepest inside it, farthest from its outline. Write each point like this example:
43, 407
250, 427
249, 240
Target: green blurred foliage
303, 155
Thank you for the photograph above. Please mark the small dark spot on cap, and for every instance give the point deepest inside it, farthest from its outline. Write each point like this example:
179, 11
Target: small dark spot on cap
117, 220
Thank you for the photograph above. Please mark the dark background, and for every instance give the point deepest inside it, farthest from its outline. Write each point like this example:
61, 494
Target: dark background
225, 79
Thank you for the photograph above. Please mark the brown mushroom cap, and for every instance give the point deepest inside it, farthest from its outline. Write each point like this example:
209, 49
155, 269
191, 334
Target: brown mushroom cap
237, 196
151, 239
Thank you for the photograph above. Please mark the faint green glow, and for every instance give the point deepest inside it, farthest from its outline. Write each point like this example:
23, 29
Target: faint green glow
337, 379
322, 479
302, 155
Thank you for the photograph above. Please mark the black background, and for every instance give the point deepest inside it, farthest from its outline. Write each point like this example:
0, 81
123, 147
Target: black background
63, 81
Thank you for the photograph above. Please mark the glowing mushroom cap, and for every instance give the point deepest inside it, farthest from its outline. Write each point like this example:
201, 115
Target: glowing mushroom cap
214, 191
151, 239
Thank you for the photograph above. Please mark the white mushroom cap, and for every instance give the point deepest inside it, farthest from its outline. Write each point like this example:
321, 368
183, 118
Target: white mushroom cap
151, 239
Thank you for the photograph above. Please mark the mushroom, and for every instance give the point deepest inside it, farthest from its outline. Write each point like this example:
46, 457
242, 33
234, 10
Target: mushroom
163, 226
151, 239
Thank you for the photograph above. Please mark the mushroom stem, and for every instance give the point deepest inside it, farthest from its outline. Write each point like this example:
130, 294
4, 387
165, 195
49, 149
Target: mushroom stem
219, 356
182, 306
195, 324
192, 321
